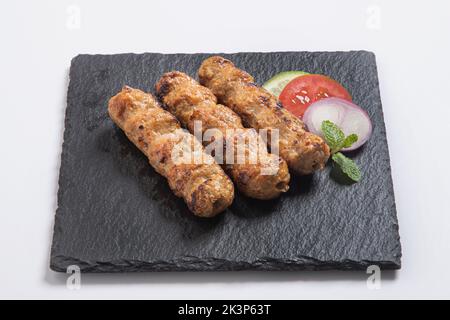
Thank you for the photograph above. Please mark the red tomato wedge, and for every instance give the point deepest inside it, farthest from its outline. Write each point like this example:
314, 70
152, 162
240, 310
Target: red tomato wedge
302, 91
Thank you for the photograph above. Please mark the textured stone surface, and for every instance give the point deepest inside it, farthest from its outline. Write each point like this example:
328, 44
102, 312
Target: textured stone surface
115, 214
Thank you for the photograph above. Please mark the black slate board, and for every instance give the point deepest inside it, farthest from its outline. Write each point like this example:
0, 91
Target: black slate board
116, 214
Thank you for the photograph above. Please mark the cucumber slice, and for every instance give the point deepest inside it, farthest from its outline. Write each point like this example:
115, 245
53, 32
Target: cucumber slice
277, 83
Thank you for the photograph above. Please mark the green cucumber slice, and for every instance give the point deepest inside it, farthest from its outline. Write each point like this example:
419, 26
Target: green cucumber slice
277, 83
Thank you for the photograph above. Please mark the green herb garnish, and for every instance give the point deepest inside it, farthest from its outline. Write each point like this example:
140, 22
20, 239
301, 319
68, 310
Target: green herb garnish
336, 140
347, 165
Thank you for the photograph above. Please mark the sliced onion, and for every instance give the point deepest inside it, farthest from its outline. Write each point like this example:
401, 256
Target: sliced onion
346, 115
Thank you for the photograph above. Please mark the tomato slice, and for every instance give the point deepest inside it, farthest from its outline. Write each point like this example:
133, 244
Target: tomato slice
302, 91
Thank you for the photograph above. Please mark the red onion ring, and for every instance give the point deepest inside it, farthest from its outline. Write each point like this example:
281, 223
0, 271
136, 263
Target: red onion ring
346, 115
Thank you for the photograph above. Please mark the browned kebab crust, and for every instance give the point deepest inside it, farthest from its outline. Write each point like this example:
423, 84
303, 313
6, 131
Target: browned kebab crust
189, 102
204, 186
304, 152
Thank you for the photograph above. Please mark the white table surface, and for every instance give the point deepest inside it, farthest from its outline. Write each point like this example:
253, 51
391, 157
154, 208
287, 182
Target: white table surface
410, 39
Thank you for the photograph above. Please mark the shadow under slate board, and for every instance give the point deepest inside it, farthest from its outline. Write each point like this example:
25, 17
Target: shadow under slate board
116, 214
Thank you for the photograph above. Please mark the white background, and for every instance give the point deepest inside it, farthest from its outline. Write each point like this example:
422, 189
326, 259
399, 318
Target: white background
39, 38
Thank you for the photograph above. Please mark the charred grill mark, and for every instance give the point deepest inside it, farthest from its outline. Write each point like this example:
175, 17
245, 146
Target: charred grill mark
179, 185
191, 204
243, 177
164, 85
142, 142
286, 120
279, 112
201, 187
264, 101
121, 111
163, 89
316, 165
195, 197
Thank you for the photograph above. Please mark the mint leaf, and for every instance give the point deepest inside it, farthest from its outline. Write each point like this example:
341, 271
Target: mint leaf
333, 135
349, 140
347, 166
336, 140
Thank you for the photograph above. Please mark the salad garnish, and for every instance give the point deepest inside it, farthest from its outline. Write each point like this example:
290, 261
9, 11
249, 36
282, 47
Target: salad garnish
336, 140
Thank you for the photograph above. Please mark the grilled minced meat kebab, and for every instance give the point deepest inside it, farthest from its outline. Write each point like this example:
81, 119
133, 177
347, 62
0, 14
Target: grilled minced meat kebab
265, 176
203, 185
304, 152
